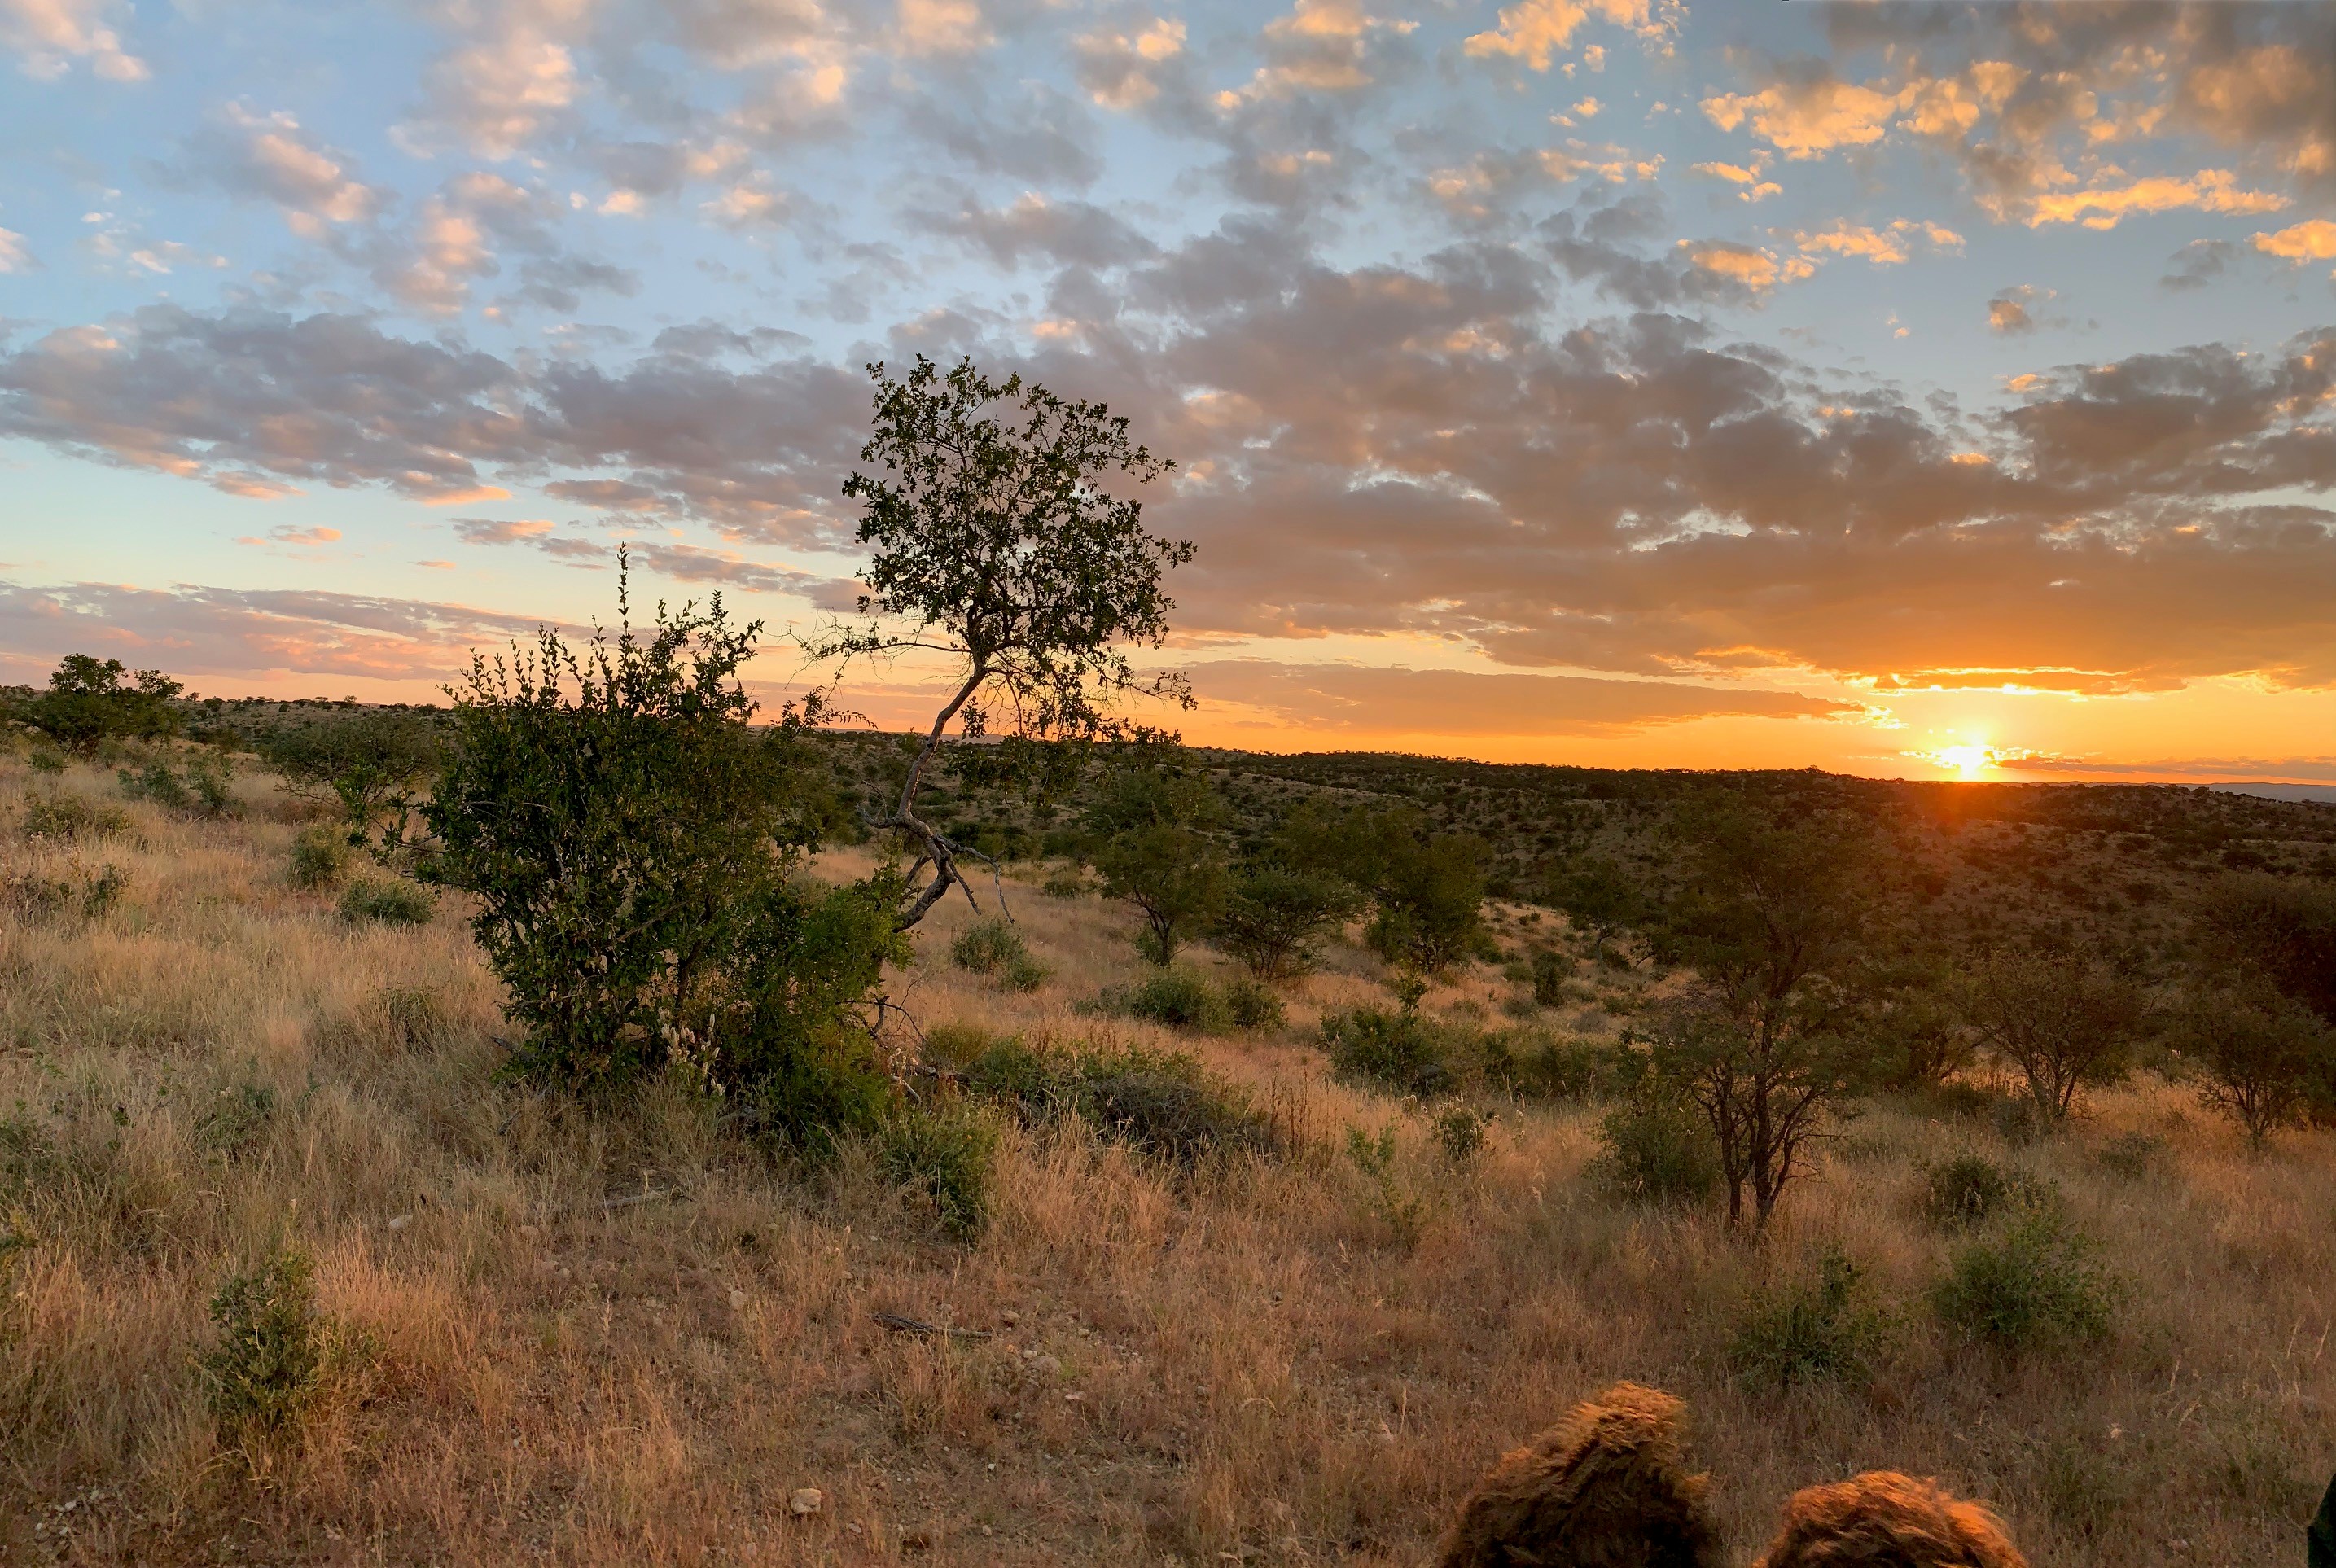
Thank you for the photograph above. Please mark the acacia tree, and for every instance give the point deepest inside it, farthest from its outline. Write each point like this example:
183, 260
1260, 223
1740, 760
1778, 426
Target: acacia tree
1759, 1038
88, 702
2064, 1019
995, 544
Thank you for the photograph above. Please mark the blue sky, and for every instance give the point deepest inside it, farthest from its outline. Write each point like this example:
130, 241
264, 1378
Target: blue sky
1613, 381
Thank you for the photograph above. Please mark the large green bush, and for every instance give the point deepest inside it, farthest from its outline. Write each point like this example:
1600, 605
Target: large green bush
1165, 1105
1815, 1332
1402, 1051
2031, 1284
1656, 1149
634, 843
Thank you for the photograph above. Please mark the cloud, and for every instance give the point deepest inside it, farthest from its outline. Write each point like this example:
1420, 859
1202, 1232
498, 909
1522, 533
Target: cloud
1059, 232
2314, 240
1756, 270
2022, 308
1380, 701
1808, 117
2209, 190
1884, 246
1320, 46
1121, 68
509, 83
52, 34
1532, 31
270, 158
14, 256
1443, 448
496, 530
253, 634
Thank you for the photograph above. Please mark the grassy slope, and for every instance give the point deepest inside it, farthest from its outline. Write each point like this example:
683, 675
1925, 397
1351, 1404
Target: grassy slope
1258, 1367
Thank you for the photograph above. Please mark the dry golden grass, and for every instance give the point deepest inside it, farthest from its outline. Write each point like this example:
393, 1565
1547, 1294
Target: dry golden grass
1244, 1366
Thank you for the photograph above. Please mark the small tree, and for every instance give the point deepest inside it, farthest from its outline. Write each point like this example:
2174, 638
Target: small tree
1601, 899
88, 703
995, 544
633, 845
1427, 888
1274, 920
1757, 1039
1153, 842
2062, 1018
371, 764
2264, 1056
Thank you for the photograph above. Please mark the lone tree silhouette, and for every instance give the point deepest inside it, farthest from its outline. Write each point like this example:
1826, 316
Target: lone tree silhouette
995, 544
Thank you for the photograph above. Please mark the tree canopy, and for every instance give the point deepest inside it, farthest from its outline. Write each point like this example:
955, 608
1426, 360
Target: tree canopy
996, 541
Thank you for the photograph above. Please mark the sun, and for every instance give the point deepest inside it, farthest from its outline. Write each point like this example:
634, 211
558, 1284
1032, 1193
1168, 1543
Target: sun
1970, 760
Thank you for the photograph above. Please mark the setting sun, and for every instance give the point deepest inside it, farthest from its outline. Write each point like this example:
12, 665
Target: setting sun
1970, 760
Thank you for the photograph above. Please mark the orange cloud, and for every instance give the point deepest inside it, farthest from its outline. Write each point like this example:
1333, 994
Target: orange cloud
2313, 240
2209, 190
1535, 30
1807, 119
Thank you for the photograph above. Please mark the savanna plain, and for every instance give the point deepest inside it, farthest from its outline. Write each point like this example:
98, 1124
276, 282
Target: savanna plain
541, 1327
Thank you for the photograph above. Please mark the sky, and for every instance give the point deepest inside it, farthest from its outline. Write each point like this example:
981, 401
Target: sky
1904, 389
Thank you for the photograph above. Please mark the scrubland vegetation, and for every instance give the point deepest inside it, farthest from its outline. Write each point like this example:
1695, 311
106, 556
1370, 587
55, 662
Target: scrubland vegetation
596, 1122
298, 1273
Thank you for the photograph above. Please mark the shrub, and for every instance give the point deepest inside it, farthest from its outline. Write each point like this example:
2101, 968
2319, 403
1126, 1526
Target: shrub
389, 901
1178, 998
2031, 1284
2132, 1154
994, 949
1818, 1332
320, 857
1552, 977
944, 1159
1168, 1108
1024, 974
1392, 1202
369, 764
1252, 1005
986, 947
47, 759
270, 1360
87, 894
1165, 1105
234, 1123
1970, 1190
635, 846
210, 777
1460, 1134
1070, 883
1553, 1069
1403, 1052
157, 782
56, 815
1274, 920
1657, 1150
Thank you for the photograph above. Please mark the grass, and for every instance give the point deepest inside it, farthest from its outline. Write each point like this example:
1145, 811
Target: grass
1264, 1370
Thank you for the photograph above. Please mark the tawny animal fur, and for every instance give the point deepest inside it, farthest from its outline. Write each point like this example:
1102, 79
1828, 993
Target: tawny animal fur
1607, 1487
1886, 1520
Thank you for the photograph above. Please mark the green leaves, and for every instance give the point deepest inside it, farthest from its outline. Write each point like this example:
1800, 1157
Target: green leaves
634, 845
88, 702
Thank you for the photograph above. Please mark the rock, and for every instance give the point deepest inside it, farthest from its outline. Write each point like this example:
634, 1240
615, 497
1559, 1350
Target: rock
805, 1501
1043, 1362
737, 1299
401, 1222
